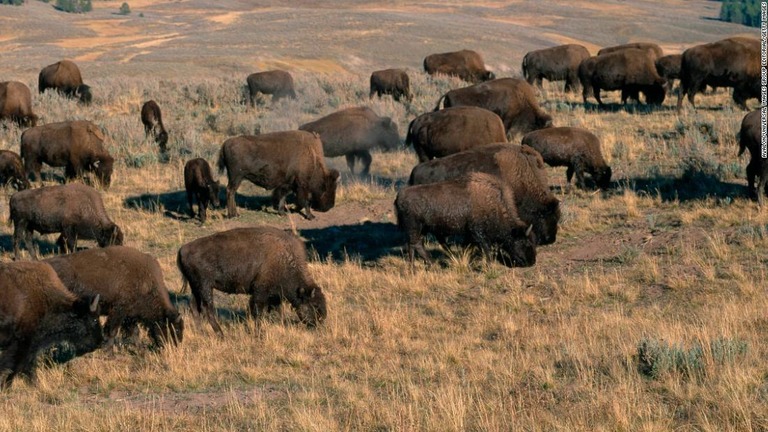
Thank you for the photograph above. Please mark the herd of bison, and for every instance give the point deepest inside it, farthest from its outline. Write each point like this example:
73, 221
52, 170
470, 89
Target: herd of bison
471, 184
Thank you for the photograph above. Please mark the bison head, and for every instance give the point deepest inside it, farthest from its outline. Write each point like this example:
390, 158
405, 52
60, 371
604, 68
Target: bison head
545, 223
171, 329
111, 235
389, 136
655, 94
310, 306
83, 93
213, 192
520, 249
103, 170
162, 140
602, 177
324, 198
487, 76
83, 328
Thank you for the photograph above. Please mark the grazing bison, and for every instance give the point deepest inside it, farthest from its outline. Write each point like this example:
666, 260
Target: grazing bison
152, 120
16, 103
749, 138
519, 166
267, 263
585, 71
199, 183
479, 207
733, 62
12, 171
64, 76
630, 70
394, 82
74, 210
78, 146
352, 133
131, 289
37, 312
282, 161
653, 49
668, 68
576, 148
277, 83
512, 99
555, 64
451, 130
465, 64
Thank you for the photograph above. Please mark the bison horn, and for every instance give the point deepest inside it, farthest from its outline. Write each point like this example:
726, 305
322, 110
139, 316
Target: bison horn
94, 306
528, 231
96, 164
178, 319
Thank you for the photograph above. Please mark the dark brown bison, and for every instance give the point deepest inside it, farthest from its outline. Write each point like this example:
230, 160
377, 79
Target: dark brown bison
74, 210
277, 83
16, 103
451, 130
78, 146
585, 71
200, 185
630, 70
576, 148
653, 49
64, 76
37, 312
479, 207
12, 171
152, 120
749, 138
733, 62
668, 68
282, 161
465, 64
519, 166
512, 99
394, 82
353, 132
268, 264
131, 289
555, 64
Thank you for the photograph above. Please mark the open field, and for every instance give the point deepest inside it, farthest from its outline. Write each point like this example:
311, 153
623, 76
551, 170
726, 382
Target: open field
648, 313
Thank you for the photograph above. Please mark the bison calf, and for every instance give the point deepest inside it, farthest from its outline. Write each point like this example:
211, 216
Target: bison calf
12, 170
290, 161
152, 120
200, 185
131, 289
74, 210
37, 312
479, 207
268, 264
575, 148
749, 138
394, 82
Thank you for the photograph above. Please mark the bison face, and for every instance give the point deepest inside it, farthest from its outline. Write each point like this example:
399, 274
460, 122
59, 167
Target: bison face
545, 224
324, 199
83, 328
213, 192
111, 236
389, 138
103, 170
162, 140
602, 177
83, 93
311, 307
655, 94
169, 330
520, 250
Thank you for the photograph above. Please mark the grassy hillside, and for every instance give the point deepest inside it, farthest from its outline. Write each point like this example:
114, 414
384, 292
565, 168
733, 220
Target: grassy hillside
648, 313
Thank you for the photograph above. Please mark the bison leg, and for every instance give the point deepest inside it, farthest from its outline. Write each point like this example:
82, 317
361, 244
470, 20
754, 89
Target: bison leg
33, 168
279, 196
257, 307
190, 200
366, 159
9, 363
740, 98
202, 205
302, 201
569, 173
111, 326
751, 175
350, 157
761, 190
67, 241
203, 295
596, 93
22, 232
231, 191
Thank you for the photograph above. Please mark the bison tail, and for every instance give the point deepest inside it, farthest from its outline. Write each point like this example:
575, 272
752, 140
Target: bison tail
525, 67
439, 102
409, 135
221, 163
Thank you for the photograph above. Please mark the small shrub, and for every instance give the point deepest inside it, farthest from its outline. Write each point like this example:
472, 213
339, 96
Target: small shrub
657, 359
74, 6
12, 2
124, 9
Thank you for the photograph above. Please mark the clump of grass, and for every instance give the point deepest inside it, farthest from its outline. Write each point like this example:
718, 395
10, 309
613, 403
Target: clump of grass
657, 359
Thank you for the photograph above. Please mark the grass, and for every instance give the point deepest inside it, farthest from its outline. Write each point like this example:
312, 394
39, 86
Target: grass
665, 271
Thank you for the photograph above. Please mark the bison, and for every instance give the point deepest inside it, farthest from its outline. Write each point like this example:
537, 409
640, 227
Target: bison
283, 161
585, 71
576, 148
78, 146
512, 99
733, 62
152, 120
64, 76
630, 70
352, 133
465, 64
131, 289
479, 207
668, 68
37, 312
451, 130
12, 170
267, 263
74, 210
199, 184
653, 49
519, 166
277, 83
16, 103
749, 138
394, 82
555, 64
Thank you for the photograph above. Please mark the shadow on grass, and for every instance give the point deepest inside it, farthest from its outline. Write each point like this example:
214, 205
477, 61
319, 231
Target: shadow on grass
45, 247
689, 187
368, 241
